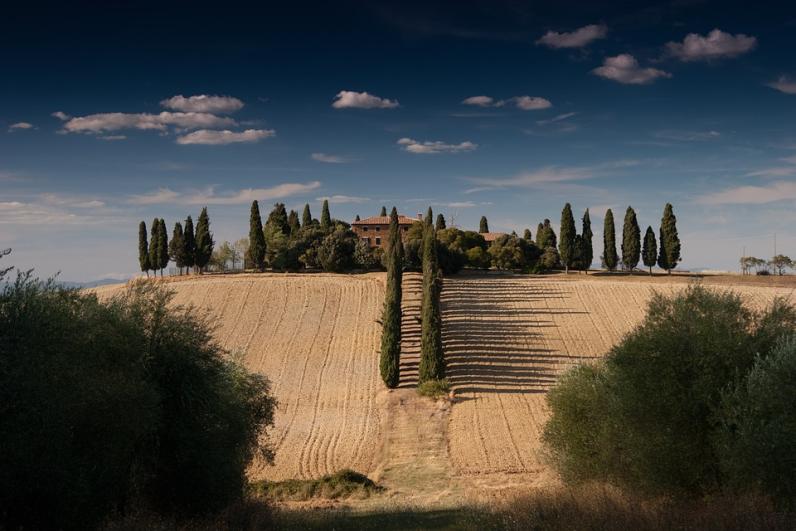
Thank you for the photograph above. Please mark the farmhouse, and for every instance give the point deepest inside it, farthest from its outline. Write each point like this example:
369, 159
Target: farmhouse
490, 237
375, 229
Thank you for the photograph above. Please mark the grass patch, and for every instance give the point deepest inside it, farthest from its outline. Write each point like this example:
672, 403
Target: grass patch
461, 519
340, 485
434, 388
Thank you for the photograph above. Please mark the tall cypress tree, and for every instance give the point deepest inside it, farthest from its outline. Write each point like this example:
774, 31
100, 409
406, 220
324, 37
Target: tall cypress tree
587, 250
293, 222
566, 241
483, 225
526, 235
432, 362
669, 242
177, 247
610, 257
306, 216
256, 252
277, 219
391, 315
154, 246
540, 236
143, 249
440, 224
163, 246
383, 211
326, 218
189, 243
204, 241
650, 251
631, 240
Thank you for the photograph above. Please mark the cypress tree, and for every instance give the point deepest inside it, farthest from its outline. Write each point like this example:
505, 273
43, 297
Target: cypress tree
566, 242
631, 240
429, 217
540, 236
440, 225
587, 250
527, 235
483, 226
432, 362
326, 219
256, 252
277, 219
177, 247
650, 251
154, 246
306, 216
610, 257
293, 222
143, 249
356, 218
391, 315
189, 243
669, 242
204, 241
383, 211
163, 246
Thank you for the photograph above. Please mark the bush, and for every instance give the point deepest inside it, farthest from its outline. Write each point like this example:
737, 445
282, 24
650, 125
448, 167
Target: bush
343, 484
434, 388
512, 253
645, 418
106, 403
336, 252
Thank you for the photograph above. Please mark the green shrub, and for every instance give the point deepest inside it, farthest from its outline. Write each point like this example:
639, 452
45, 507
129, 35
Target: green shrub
434, 388
340, 485
336, 252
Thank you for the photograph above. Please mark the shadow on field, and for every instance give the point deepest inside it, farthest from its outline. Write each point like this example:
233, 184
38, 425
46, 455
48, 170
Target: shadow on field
383, 521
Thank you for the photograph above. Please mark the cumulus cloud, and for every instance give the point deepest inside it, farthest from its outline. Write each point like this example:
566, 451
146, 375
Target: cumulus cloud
784, 84
60, 115
203, 103
575, 39
624, 68
430, 148
19, 125
347, 99
114, 121
208, 137
526, 103
329, 159
341, 199
752, 195
549, 174
715, 45
210, 197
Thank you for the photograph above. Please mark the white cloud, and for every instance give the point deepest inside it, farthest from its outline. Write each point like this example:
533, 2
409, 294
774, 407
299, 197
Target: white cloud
784, 84
752, 195
112, 137
714, 45
329, 159
413, 146
203, 103
779, 171
341, 199
71, 201
555, 119
526, 103
54, 209
574, 39
19, 125
210, 197
546, 175
347, 99
114, 121
208, 137
60, 115
625, 69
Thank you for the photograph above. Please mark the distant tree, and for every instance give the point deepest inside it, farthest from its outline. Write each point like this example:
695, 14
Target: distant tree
526, 235
326, 218
546, 236
154, 246
223, 255
143, 249
204, 241
177, 247
357, 218
440, 224
631, 240
566, 242
610, 257
539, 231
550, 259
586, 251
383, 211
278, 219
510, 252
293, 222
336, 251
483, 226
241, 247
391, 315
650, 251
163, 246
306, 216
780, 263
432, 362
257, 248
669, 242
189, 243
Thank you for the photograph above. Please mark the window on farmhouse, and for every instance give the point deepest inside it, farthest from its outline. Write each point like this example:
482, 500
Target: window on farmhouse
378, 241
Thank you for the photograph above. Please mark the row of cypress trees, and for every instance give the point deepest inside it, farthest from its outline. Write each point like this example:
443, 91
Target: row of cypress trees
575, 250
664, 252
188, 249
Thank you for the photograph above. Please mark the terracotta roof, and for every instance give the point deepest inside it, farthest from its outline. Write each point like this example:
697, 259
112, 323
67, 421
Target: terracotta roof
492, 236
385, 220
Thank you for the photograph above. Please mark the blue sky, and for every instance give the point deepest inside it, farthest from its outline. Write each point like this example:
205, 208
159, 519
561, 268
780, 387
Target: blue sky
503, 109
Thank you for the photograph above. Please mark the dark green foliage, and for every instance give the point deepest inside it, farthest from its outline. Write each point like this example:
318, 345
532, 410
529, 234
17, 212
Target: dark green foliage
204, 241
163, 246
483, 225
365, 257
177, 247
340, 485
391, 315
546, 236
440, 224
457, 248
306, 216
143, 249
432, 362
154, 247
585, 248
277, 244
108, 403
434, 388
277, 219
566, 242
413, 247
509, 252
383, 211
631, 240
649, 252
293, 222
610, 258
336, 252
326, 218
526, 235
189, 242
256, 251
646, 417
669, 242
549, 259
